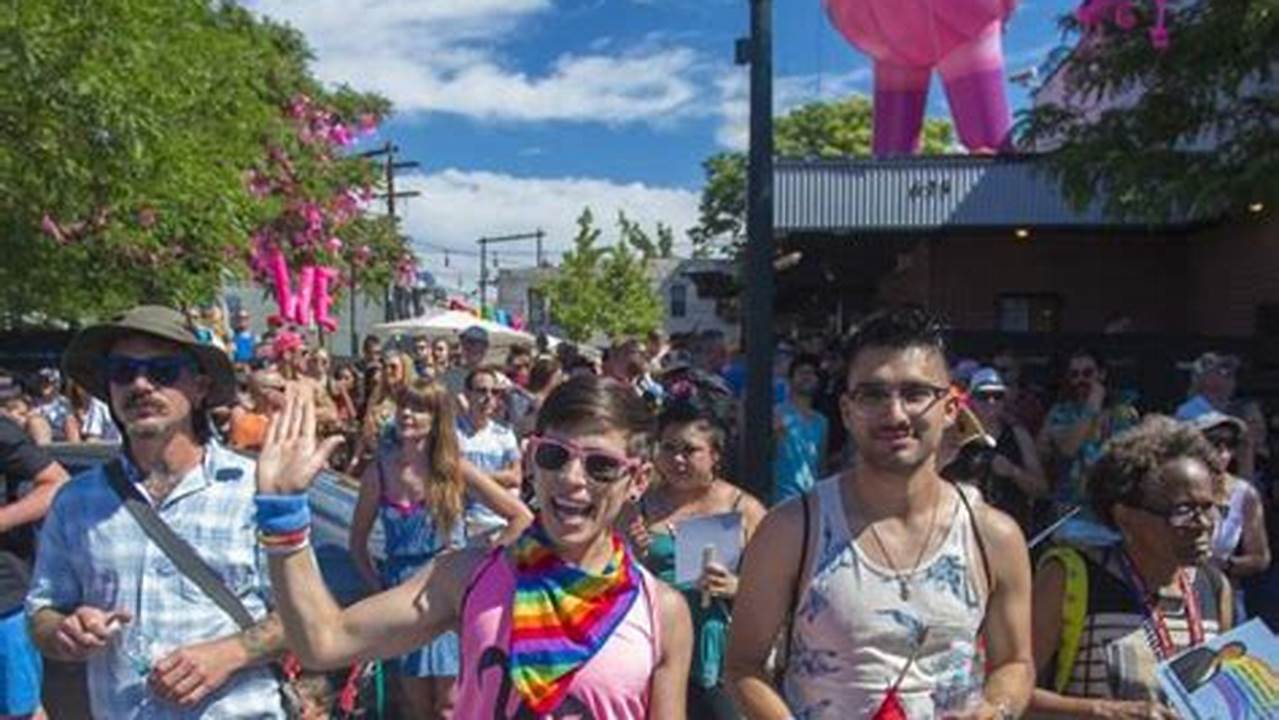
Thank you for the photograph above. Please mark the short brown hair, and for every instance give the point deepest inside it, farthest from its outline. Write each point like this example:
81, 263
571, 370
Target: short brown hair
590, 402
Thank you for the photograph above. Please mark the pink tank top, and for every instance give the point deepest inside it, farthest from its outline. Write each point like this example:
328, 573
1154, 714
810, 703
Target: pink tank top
612, 685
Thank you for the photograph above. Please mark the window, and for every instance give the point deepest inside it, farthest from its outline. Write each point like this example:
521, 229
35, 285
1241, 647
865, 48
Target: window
1028, 313
679, 301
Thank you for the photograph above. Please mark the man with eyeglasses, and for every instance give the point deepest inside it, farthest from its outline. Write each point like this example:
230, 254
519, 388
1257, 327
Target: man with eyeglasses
1086, 416
491, 447
102, 592
1212, 385
892, 589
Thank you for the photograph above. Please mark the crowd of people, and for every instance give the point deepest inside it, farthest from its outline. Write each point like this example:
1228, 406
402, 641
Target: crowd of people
536, 514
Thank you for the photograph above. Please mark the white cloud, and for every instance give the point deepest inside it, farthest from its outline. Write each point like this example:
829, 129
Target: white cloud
446, 56
459, 206
789, 92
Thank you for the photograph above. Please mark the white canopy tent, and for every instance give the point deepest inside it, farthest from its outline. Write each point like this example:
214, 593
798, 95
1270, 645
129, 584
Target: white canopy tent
449, 324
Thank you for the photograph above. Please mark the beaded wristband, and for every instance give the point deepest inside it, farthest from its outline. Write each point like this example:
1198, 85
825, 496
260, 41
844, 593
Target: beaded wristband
282, 514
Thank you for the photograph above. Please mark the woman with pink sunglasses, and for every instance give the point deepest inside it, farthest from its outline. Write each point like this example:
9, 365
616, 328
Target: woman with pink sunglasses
564, 621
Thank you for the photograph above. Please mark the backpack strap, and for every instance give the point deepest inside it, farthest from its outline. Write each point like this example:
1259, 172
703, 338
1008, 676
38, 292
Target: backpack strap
1073, 609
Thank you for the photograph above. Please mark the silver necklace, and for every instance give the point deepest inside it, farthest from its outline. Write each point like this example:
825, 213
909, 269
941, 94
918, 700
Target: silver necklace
903, 584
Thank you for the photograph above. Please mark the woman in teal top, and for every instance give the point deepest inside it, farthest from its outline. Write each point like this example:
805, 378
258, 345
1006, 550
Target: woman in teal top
689, 486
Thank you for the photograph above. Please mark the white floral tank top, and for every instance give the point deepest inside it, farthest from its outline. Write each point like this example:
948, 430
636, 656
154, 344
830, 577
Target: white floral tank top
856, 627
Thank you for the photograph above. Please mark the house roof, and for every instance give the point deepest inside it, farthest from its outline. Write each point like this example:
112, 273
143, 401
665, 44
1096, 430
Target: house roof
924, 193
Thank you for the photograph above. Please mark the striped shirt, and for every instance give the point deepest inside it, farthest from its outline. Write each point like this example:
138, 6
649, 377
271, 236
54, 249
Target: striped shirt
491, 448
92, 552
1116, 657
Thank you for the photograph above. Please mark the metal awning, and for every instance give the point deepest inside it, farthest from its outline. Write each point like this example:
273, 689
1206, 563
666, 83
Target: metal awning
924, 194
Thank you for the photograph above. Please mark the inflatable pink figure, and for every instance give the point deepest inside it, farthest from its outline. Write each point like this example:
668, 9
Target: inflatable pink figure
907, 39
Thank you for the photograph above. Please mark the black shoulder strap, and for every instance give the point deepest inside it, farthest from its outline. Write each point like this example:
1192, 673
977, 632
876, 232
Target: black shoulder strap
179, 551
981, 543
780, 669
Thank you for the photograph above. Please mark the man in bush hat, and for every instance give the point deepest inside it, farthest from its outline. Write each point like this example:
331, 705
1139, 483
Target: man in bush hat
102, 592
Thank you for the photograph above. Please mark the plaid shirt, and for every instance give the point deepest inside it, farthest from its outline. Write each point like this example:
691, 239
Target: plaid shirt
92, 552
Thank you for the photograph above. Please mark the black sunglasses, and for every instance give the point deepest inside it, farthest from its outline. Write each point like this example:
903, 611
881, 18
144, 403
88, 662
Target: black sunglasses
602, 467
164, 370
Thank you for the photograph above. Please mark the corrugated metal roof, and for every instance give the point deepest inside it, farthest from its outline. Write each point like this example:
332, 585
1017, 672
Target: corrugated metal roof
921, 193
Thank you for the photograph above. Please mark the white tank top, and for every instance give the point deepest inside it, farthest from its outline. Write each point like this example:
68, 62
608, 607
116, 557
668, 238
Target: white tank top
853, 633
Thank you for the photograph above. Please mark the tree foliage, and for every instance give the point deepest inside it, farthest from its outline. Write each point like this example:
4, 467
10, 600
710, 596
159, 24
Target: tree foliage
1192, 129
127, 128
607, 290
817, 130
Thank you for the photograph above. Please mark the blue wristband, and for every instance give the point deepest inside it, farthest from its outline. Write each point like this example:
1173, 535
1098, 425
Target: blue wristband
279, 514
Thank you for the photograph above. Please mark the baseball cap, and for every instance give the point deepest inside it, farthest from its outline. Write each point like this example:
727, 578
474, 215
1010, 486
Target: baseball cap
1209, 362
1206, 421
475, 333
986, 378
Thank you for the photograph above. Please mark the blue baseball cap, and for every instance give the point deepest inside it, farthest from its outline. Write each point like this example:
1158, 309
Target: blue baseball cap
986, 378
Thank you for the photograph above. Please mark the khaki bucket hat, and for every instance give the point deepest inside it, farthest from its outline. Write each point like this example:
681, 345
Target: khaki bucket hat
84, 357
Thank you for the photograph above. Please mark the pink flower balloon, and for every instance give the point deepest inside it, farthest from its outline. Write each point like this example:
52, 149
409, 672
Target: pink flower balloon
908, 39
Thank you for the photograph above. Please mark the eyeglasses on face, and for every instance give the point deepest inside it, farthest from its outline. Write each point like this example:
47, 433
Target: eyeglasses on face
1182, 515
916, 398
164, 370
989, 396
600, 465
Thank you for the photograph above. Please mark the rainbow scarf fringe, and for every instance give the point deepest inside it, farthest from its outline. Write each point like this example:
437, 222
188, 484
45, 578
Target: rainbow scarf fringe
562, 615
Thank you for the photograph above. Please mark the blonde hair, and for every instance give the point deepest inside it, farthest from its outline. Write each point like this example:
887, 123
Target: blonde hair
445, 488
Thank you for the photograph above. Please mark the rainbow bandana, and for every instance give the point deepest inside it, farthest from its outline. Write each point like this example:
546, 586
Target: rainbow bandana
562, 615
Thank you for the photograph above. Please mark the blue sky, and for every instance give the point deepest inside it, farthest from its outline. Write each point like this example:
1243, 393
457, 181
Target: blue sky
524, 111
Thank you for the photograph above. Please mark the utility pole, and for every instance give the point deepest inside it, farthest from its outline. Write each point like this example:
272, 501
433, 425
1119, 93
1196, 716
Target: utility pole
388, 150
757, 51
484, 256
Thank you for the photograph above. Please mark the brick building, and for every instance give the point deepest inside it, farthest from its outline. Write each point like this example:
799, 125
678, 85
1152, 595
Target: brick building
991, 244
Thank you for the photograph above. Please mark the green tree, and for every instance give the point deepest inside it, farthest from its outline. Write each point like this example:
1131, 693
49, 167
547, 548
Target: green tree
606, 289
127, 128
1196, 127
821, 129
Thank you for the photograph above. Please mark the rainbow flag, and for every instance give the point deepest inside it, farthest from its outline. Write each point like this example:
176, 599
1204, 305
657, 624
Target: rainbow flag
562, 615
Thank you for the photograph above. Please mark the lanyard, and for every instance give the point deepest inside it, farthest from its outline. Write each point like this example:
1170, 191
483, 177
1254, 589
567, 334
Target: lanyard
1194, 620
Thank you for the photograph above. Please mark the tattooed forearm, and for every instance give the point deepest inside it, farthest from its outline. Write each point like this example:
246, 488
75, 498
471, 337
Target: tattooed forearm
264, 641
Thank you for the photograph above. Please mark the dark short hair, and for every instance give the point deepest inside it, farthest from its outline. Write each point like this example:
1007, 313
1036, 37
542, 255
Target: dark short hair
897, 329
594, 403
481, 370
802, 360
1131, 463
693, 410
542, 372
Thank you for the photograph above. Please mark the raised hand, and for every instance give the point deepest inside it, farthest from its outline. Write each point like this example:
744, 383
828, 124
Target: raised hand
291, 457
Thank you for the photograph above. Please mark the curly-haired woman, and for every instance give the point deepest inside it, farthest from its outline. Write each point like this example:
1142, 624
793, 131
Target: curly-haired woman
1105, 618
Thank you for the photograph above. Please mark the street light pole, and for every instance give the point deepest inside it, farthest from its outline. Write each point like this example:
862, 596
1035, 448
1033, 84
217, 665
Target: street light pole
756, 447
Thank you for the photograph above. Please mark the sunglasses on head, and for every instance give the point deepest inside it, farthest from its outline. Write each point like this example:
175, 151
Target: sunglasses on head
164, 370
600, 465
